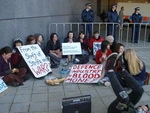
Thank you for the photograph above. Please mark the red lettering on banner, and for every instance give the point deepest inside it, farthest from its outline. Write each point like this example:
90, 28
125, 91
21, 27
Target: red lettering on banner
97, 76
43, 68
76, 80
86, 66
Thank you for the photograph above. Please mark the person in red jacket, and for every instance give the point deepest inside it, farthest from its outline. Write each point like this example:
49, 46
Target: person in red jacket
95, 38
101, 56
102, 53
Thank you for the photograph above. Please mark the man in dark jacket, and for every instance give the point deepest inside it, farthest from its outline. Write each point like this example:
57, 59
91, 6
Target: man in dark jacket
136, 18
88, 17
112, 18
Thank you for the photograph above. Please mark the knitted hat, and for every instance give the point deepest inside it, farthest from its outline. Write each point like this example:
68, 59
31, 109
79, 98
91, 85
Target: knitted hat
110, 39
17, 40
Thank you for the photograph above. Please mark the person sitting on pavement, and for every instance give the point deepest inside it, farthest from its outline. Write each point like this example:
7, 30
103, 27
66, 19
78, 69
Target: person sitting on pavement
101, 56
11, 76
16, 57
135, 66
95, 38
103, 53
53, 48
70, 39
112, 42
124, 102
40, 41
84, 43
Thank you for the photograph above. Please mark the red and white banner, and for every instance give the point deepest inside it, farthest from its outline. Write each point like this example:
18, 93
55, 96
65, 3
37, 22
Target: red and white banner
86, 73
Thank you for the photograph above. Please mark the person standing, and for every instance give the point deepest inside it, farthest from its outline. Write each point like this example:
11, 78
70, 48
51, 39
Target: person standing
103, 16
136, 18
121, 17
112, 18
88, 17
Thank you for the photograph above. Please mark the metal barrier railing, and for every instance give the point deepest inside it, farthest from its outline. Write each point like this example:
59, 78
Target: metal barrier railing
124, 34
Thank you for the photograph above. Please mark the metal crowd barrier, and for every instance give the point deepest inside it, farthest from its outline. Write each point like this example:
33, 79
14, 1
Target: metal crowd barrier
124, 33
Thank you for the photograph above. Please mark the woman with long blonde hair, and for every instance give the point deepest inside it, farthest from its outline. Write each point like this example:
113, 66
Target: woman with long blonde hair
135, 66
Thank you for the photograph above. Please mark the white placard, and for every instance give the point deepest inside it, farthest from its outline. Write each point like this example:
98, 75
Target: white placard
71, 48
96, 47
86, 73
35, 59
3, 86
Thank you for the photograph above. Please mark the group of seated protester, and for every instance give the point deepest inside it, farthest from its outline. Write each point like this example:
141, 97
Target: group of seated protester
13, 68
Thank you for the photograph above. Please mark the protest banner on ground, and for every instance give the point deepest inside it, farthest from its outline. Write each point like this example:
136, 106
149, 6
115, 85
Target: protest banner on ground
71, 48
3, 86
35, 59
86, 73
96, 47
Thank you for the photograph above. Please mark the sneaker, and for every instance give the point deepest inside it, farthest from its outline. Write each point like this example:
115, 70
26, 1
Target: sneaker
111, 61
119, 66
107, 83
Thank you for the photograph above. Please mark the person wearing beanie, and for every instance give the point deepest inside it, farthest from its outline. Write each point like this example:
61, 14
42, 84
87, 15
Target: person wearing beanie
16, 56
112, 42
136, 18
112, 18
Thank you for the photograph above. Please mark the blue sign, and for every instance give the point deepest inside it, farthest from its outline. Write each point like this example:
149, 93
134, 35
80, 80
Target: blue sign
3, 86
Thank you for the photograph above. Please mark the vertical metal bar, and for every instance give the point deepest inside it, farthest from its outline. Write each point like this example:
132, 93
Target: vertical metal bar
64, 30
128, 27
92, 29
49, 29
139, 35
119, 34
145, 34
70, 26
121, 31
99, 28
78, 27
106, 24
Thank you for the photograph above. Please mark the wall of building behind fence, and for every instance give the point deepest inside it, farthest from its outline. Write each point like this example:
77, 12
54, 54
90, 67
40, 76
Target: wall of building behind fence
24, 17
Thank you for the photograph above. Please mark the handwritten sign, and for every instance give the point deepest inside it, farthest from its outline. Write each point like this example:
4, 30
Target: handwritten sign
71, 48
35, 59
96, 47
87, 73
3, 86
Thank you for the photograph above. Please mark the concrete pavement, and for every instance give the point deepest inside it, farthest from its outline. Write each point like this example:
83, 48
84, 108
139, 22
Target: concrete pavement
37, 97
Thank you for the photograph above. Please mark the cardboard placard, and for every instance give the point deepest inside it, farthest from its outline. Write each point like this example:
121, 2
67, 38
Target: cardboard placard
3, 86
96, 47
35, 59
71, 48
86, 73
